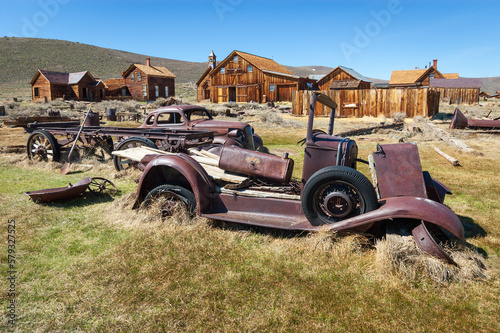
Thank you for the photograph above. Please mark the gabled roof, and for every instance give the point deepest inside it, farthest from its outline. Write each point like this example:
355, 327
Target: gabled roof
150, 70
205, 73
113, 84
456, 83
408, 77
60, 77
264, 64
349, 71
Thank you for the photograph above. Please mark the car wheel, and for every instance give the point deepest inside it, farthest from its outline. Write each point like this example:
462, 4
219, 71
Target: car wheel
337, 193
172, 199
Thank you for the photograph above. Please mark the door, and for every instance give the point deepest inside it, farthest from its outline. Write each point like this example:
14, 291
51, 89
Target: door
232, 94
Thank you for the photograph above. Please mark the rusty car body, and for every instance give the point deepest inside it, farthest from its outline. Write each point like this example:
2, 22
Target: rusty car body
459, 121
331, 193
197, 118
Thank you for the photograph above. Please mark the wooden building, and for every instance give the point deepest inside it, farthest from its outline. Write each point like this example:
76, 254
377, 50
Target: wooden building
147, 82
343, 78
117, 89
243, 77
458, 91
414, 78
48, 86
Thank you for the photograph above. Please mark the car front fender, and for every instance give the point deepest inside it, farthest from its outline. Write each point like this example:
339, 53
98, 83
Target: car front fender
407, 208
176, 169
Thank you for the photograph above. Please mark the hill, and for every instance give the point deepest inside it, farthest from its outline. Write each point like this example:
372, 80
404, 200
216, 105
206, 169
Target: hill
21, 57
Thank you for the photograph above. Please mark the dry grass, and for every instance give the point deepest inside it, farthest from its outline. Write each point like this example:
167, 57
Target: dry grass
94, 265
401, 258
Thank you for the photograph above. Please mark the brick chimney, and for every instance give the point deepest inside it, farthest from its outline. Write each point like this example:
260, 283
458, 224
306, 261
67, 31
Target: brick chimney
435, 63
148, 62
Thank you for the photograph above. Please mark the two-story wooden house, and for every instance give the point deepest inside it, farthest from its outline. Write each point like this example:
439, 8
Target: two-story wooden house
147, 82
48, 86
244, 77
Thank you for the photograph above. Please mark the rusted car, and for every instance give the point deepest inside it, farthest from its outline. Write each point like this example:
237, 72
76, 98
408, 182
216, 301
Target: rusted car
330, 194
197, 118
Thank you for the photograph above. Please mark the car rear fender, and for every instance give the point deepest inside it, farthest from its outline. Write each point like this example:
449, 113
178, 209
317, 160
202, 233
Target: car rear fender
407, 208
179, 169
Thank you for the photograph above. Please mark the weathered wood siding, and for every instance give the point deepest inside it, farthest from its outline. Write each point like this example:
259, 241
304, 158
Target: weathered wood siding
44, 90
372, 102
460, 95
135, 87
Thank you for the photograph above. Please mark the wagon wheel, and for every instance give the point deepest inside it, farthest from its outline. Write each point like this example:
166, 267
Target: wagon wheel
42, 146
101, 186
103, 148
122, 163
336, 193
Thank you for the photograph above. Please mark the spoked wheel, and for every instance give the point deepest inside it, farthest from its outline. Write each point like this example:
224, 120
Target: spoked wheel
122, 163
336, 193
102, 186
172, 199
42, 146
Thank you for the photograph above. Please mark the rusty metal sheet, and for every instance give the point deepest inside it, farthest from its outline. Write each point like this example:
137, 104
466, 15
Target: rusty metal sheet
256, 164
60, 193
399, 172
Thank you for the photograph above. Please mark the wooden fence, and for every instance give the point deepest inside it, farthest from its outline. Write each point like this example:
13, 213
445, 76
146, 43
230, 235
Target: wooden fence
459, 95
372, 102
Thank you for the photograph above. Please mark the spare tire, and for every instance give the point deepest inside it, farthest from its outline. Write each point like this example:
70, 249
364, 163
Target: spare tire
337, 193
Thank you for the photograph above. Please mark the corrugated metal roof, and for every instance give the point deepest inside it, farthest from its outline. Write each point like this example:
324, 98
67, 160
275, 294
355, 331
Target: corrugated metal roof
74, 78
355, 74
281, 74
456, 83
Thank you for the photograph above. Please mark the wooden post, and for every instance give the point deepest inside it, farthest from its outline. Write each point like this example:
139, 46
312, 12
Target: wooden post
450, 159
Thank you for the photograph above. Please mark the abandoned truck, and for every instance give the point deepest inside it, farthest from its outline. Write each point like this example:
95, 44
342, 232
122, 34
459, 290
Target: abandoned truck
172, 128
331, 194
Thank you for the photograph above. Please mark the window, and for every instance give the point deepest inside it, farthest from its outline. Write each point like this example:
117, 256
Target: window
132, 77
432, 75
166, 91
157, 91
36, 92
139, 76
271, 87
170, 118
223, 70
250, 69
124, 92
235, 59
144, 90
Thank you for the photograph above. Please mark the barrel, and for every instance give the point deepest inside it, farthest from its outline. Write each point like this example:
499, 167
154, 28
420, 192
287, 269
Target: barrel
92, 119
111, 114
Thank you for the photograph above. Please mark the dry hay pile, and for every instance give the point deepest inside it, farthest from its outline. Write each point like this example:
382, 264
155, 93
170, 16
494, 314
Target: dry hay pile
401, 257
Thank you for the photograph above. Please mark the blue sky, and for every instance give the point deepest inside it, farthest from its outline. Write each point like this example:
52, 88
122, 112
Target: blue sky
373, 37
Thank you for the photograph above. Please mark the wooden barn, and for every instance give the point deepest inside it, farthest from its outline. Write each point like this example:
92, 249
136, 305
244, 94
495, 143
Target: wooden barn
343, 78
243, 77
147, 82
48, 86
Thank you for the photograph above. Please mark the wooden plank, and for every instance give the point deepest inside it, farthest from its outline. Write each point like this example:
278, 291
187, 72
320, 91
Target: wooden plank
259, 194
